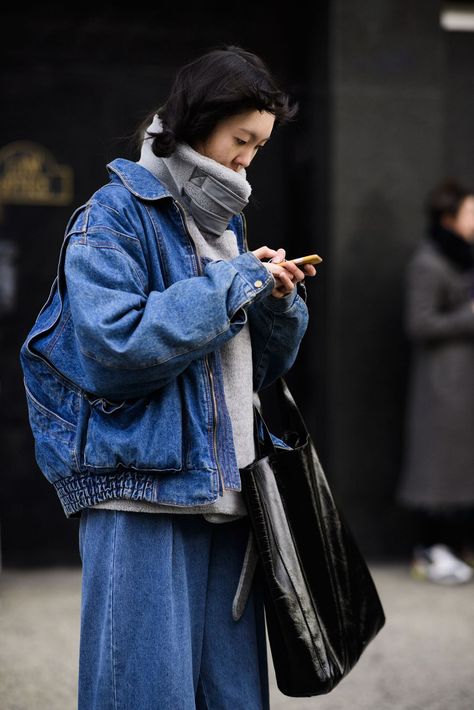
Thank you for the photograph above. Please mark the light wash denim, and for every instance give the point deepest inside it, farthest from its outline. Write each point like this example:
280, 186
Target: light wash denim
122, 367
156, 627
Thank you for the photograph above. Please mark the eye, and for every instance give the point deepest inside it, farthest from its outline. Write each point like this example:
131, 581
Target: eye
239, 141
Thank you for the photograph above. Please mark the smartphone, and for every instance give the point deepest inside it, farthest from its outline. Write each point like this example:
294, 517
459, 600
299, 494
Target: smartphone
300, 261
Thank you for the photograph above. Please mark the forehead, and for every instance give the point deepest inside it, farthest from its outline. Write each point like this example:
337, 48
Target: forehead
256, 124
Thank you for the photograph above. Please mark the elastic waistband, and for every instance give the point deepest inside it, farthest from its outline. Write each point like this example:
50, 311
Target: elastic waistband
80, 492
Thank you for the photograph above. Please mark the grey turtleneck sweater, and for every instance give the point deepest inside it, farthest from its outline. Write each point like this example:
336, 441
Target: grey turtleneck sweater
177, 173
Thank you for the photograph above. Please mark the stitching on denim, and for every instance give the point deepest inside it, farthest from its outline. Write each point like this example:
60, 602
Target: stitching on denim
86, 218
255, 261
105, 228
48, 412
155, 196
158, 239
106, 206
183, 351
113, 248
112, 578
58, 334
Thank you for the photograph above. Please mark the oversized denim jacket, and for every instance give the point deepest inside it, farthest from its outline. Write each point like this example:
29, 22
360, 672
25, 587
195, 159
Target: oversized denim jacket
122, 369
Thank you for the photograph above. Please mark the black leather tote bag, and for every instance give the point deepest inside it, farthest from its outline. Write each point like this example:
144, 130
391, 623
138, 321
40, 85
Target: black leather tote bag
321, 605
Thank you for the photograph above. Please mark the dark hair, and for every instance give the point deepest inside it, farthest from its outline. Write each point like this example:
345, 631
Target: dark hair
445, 199
217, 85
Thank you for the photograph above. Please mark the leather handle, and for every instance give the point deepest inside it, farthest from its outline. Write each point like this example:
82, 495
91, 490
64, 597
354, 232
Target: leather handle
291, 416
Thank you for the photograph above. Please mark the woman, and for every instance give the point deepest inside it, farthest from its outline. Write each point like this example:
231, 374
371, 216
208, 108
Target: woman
438, 480
141, 372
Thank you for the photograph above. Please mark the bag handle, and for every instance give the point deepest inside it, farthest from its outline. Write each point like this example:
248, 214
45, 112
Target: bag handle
292, 421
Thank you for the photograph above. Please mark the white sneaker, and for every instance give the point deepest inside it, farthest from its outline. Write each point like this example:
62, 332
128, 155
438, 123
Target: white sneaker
438, 564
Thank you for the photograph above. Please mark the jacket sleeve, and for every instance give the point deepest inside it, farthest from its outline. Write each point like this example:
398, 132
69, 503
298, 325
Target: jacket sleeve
427, 319
131, 340
277, 326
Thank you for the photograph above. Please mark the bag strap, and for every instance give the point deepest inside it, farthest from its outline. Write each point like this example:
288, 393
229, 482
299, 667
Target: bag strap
291, 417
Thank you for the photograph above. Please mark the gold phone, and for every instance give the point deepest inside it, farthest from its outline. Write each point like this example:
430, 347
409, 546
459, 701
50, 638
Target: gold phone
302, 260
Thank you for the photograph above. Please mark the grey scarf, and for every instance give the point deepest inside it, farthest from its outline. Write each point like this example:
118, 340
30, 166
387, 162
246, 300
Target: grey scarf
212, 192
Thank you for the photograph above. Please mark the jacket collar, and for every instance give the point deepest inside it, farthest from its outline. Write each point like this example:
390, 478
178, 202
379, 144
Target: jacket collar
138, 179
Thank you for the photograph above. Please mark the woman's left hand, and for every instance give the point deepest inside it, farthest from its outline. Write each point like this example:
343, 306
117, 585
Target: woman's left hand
288, 275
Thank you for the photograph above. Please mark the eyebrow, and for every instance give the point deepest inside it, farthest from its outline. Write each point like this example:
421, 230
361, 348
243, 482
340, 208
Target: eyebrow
253, 135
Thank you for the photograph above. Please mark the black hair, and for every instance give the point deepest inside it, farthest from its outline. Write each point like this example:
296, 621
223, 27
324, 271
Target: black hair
445, 200
219, 84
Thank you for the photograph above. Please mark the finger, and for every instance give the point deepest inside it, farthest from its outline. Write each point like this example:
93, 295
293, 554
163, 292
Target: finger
279, 256
309, 270
278, 270
297, 274
264, 253
284, 280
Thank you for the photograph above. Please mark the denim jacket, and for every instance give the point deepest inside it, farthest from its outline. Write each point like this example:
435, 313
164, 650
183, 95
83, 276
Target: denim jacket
122, 368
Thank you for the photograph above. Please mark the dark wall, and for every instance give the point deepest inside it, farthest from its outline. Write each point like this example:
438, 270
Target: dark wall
78, 84
402, 116
458, 143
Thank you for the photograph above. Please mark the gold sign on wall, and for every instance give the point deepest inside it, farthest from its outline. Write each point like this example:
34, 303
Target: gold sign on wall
29, 175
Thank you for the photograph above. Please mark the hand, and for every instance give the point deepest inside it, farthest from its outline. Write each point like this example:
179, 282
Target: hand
286, 276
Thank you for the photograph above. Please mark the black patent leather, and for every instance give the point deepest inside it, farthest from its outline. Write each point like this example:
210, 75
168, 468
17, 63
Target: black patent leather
321, 603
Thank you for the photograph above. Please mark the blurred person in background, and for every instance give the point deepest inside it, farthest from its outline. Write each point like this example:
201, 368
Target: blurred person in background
142, 371
438, 474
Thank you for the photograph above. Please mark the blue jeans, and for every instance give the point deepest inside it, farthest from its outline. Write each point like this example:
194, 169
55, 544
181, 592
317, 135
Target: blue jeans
157, 631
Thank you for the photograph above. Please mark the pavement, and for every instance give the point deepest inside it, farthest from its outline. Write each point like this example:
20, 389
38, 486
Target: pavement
423, 659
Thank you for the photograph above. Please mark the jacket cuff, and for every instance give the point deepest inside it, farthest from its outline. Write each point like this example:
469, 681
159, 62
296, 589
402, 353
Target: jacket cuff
283, 304
259, 281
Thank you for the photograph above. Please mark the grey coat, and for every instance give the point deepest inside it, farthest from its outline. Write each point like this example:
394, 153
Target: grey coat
438, 468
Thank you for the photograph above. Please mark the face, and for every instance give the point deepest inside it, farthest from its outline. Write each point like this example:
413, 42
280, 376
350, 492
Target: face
235, 141
463, 222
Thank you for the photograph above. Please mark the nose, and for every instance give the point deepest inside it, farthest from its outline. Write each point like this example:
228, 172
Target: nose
244, 158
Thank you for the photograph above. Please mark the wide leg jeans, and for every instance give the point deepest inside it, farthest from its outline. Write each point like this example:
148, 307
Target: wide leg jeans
157, 631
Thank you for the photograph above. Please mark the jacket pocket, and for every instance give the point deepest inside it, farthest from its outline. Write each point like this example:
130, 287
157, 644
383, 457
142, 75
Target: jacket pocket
55, 439
143, 434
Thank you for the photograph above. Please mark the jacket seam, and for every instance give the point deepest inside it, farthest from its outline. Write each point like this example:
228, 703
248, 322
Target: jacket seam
113, 248
124, 180
106, 207
268, 276
158, 237
105, 228
175, 355
48, 412
54, 340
